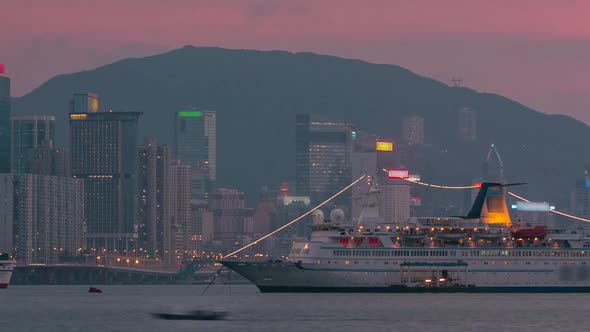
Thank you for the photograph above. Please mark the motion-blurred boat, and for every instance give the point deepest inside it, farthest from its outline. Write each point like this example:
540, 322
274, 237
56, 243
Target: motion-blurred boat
192, 315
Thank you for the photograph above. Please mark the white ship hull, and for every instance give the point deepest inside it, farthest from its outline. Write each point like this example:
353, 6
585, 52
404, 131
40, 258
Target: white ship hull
543, 271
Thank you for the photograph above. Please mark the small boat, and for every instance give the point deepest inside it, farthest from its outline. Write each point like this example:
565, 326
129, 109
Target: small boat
94, 290
192, 315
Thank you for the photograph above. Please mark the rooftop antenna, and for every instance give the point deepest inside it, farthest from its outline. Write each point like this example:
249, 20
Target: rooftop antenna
456, 81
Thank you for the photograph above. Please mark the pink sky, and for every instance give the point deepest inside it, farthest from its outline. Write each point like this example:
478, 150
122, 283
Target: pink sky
534, 51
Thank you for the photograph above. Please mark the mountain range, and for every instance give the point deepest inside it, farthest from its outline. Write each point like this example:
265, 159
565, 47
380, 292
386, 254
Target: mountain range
257, 94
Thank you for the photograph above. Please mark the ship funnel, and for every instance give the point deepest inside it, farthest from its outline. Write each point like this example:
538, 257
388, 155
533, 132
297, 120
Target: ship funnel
490, 204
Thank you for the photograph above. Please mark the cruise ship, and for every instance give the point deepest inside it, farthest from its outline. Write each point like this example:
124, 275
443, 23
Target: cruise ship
481, 252
6, 268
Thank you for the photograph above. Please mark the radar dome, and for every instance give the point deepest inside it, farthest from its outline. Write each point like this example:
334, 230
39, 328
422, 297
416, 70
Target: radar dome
337, 216
317, 217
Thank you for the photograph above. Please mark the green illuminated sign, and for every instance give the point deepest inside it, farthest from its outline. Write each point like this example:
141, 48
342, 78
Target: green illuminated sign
190, 114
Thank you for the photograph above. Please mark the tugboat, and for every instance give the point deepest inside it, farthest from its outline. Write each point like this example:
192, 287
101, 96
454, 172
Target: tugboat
6, 268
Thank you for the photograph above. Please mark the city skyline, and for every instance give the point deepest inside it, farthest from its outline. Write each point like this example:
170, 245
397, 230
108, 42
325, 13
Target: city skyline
327, 147
314, 138
198, 159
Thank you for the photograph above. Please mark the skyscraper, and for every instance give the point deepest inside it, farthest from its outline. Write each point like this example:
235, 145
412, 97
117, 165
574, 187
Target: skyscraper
195, 143
104, 154
164, 222
228, 214
147, 214
363, 162
467, 125
164, 201
322, 156
394, 201
413, 130
157, 197
48, 217
370, 160
180, 187
4, 124
581, 203
29, 133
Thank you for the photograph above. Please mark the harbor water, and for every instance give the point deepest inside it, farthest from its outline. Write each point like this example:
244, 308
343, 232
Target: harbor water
128, 308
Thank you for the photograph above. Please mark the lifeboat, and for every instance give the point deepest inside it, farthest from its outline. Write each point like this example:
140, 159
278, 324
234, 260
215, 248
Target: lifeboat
487, 236
529, 232
450, 236
412, 237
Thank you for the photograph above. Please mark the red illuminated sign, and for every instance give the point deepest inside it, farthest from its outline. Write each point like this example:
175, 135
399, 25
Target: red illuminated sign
1, 68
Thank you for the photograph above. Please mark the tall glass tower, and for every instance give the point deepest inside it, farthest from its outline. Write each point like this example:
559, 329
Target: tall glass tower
195, 143
323, 158
104, 154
